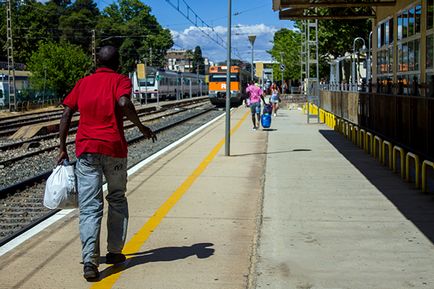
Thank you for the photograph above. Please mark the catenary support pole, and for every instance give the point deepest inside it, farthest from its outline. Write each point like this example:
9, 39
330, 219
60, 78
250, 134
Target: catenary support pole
228, 84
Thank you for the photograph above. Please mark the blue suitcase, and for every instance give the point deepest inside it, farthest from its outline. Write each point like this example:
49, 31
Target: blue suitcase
266, 120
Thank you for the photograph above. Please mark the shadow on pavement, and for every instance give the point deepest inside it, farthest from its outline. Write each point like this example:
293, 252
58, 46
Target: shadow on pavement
412, 203
271, 153
165, 254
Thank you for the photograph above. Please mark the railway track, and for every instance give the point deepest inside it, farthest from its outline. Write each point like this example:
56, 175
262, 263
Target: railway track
10, 125
7, 159
21, 206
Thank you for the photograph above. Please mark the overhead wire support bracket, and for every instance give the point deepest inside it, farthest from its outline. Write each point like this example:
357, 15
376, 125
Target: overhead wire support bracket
218, 40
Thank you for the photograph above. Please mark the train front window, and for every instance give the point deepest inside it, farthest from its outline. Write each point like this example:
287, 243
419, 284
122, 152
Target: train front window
149, 81
222, 77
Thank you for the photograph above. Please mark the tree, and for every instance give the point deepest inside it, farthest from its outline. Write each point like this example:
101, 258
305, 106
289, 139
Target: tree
288, 43
77, 23
57, 67
130, 26
198, 61
336, 37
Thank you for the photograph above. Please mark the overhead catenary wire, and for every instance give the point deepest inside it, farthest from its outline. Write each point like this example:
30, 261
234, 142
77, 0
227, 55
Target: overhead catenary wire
194, 20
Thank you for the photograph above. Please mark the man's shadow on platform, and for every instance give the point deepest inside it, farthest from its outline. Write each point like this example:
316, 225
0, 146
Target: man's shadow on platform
165, 254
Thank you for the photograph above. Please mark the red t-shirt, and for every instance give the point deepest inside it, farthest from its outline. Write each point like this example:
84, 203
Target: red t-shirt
100, 129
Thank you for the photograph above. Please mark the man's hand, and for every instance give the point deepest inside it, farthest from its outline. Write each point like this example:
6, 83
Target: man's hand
63, 155
148, 133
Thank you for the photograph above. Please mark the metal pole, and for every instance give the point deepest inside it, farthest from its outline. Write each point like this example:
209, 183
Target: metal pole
281, 62
252, 76
368, 61
228, 83
45, 79
252, 39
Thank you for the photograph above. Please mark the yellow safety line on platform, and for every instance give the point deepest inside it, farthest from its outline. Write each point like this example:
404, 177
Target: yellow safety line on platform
137, 241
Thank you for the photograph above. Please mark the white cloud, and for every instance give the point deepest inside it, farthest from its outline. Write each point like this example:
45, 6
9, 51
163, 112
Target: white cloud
193, 36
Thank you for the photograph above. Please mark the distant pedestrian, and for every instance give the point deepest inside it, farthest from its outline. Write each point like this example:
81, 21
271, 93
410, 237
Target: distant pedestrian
102, 99
255, 95
274, 98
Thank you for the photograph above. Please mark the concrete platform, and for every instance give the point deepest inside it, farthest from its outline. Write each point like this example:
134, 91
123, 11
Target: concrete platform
297, 206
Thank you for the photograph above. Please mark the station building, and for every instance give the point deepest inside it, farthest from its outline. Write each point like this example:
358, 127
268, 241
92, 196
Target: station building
399, 104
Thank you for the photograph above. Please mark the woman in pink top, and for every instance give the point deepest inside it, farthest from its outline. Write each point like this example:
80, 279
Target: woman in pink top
255, 95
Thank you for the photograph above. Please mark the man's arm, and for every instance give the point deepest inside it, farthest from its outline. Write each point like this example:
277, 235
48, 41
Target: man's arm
65, 123
129, 111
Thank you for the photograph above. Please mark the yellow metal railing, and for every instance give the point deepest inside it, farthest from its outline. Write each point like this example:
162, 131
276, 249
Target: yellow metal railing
377, 145
382, 150
369, 138
397, 149
416, 168
383, 153
425, 164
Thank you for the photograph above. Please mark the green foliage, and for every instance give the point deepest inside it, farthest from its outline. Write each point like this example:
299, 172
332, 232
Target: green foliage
130, 26
126, 24
288, 43
198, 60
57, 67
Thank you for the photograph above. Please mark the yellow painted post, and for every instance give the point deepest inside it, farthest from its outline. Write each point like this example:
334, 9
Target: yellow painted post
368, 142
337, 124
425, 164
383, 153
416, 167
356, 135
350, 131
401, 152
361, 140
334, 121
377, 141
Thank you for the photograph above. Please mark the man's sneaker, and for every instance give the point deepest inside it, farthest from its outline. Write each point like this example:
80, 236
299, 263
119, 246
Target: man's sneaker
90, 272
114, 258
255, 128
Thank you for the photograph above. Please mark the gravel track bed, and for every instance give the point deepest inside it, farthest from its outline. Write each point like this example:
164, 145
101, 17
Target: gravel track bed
38, 164
42, 144
24, 207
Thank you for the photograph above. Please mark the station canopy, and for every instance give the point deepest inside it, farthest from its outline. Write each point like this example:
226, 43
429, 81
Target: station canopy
328, 9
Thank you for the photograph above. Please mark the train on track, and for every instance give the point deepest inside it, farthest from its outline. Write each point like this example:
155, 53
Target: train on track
217, 85
167, 85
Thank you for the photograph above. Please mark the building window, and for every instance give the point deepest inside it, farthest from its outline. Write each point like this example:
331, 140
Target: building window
429, 16
417, 16
429, 51
408, 49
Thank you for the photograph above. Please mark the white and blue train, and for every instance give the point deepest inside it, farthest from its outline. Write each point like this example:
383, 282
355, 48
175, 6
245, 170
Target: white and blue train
165, 85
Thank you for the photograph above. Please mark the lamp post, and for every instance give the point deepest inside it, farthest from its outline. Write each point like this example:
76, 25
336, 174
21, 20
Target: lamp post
228, 82
252, 39
368, 60
353, 72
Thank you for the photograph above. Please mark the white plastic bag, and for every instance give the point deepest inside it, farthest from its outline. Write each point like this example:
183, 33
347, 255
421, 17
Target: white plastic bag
60, 192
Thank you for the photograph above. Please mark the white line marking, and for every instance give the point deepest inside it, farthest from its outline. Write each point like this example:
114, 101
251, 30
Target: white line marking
60, 215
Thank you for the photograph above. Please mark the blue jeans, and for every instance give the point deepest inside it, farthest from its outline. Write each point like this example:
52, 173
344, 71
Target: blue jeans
89, 170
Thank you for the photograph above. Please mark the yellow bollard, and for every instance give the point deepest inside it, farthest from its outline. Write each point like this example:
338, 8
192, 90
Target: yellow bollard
401, 152
356, 135
361, 140
383, 153
368, 142
416, 167
425, 164
377, 141
350, 131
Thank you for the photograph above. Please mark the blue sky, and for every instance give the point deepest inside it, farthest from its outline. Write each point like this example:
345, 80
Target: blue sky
249, 17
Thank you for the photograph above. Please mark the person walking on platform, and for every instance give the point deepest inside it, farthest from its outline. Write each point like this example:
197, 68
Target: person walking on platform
274, 98
102, 99
255, 95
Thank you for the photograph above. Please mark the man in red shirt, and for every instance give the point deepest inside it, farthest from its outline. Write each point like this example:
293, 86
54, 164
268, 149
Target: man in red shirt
102, 99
